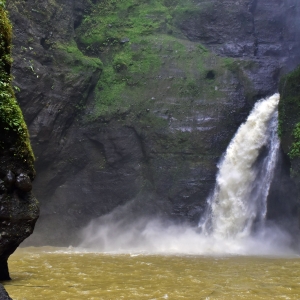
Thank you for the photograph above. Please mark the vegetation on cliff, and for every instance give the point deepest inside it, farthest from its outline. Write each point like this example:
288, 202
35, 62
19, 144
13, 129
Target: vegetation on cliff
289, 113
13, 130
146, 58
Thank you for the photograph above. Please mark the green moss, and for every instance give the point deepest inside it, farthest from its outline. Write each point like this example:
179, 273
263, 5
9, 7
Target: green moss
14, 133
147, 63
187, 10
295, 148
230, 63
74, 58
110, 21
108, 91
289, 112
157, 67
121, 61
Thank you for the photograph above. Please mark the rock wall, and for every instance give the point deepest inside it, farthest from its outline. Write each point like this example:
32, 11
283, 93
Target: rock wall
3, 293
289, 117
19, 208
127, 99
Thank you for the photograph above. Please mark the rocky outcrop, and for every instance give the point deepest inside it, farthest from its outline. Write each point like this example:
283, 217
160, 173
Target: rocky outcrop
18, 207
122, 96
289, 126
3, 294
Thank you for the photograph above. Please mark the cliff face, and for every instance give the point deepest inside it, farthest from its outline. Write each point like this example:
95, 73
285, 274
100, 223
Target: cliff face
289, 117
126, 99
19, 208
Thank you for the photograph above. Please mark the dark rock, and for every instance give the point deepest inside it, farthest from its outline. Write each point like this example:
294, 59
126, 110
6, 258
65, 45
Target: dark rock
18, 211
289, 120
10, 180
4, 273
3, 293
210, 74
2, 186
283, 196
12, 150
23, 183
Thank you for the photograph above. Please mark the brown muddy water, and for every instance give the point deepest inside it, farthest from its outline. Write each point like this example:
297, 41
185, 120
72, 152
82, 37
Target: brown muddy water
52, 273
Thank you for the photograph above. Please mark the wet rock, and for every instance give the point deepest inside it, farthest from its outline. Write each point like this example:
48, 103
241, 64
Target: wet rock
12, 150
18, 211
289, 120
2, 186
3, 293
10, 180
4, 273
23, 183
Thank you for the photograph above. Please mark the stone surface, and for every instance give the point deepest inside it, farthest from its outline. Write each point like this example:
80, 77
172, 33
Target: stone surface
23, 183
172, 119
3, 293
18, 207
289, 117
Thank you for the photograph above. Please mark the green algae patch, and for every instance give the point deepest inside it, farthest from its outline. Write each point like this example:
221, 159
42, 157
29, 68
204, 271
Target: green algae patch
14, 133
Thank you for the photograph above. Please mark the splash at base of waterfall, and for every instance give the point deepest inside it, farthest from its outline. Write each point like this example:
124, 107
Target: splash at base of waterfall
158, 237
236, 205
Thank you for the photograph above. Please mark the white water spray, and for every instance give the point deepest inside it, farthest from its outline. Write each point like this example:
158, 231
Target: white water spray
241, 189
237, 203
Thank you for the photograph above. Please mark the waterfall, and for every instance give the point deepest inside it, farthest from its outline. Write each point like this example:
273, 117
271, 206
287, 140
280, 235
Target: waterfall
245, 174
234, 221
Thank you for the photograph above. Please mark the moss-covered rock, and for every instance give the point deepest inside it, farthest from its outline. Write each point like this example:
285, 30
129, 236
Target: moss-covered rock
289, 129
289, 119
19, 208
289, 108
13, 130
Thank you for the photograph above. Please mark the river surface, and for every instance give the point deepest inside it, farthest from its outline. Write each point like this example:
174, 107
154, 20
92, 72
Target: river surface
52, 273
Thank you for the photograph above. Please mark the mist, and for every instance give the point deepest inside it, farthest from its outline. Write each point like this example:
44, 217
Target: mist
156, 236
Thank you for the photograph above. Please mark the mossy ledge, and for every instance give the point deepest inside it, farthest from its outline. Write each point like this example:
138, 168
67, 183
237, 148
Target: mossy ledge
19, 208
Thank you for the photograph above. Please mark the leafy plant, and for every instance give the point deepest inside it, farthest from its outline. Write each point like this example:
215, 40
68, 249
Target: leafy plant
295, 149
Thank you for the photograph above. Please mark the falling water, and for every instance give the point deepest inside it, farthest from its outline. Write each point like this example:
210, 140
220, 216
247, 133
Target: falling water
234, 222
242, 186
